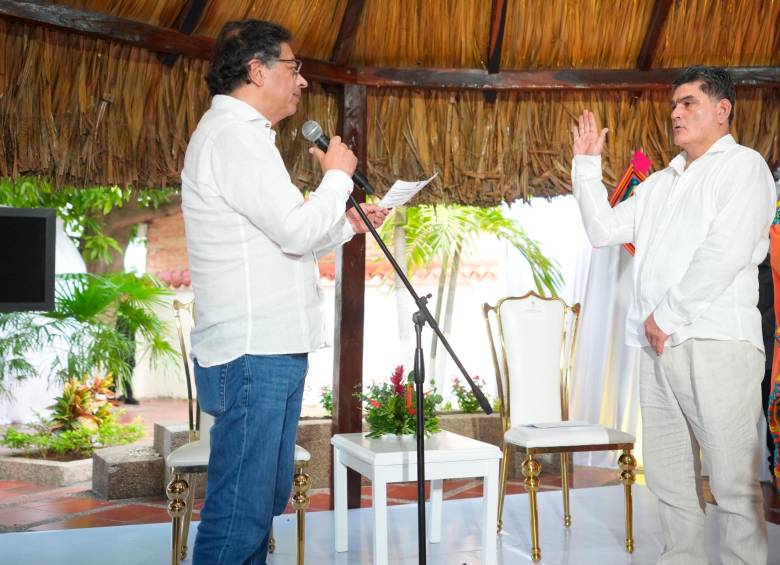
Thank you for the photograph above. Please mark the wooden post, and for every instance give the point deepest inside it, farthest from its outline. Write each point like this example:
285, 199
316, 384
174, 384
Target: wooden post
350, 298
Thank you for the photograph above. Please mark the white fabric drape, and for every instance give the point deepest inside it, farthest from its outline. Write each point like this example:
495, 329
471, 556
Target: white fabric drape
605, 383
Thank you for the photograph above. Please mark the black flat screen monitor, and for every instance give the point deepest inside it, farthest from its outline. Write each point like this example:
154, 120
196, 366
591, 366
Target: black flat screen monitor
27, 238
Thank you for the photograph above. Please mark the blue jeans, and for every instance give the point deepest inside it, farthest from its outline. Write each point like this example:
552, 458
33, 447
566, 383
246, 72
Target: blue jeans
256, 403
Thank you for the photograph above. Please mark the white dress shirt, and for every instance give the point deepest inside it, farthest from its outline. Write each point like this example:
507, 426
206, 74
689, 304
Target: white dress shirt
700, 233
252, 240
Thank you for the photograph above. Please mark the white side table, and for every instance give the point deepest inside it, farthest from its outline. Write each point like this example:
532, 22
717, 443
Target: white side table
393, 460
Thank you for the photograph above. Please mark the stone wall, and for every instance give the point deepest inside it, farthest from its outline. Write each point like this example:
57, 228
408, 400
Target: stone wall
314, 435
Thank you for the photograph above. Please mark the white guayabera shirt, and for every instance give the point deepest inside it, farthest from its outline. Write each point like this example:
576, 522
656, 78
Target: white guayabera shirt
700, 234
252, 240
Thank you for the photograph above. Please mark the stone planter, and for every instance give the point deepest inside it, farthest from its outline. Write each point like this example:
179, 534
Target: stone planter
127, 471
45, 473
314, 436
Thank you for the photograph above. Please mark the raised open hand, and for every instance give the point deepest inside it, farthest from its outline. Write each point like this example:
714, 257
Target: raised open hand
586, 138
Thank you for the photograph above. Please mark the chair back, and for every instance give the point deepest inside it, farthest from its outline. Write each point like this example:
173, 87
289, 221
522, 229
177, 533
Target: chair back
184, 312
532, 356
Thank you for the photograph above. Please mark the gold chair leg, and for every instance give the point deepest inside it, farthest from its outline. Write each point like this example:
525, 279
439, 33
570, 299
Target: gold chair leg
503, 472
271, 541
187, 519
300, 499
177, 492
565, 489
627, 465
531, 470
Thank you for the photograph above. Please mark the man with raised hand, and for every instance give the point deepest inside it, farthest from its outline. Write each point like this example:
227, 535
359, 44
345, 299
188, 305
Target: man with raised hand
700, 227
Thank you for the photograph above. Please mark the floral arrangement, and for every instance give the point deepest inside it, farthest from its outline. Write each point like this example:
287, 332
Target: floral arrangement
391, 408
467, 402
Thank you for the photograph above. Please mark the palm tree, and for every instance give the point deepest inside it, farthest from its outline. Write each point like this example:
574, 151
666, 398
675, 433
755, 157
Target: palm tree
445, 232
83, 329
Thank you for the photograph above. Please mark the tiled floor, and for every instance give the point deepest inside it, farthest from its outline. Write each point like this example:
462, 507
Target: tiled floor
596, 536
27, 507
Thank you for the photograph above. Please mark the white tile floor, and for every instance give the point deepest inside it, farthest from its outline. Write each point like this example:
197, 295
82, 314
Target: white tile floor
596, 536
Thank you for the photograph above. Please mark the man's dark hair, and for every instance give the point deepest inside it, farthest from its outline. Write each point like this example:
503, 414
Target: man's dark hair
237, 44
715, 82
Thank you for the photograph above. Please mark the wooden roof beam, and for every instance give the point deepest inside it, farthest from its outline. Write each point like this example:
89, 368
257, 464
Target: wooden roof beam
497, 25
345, 40
556, 79
104, 26
650, 44
166, 40
186, 22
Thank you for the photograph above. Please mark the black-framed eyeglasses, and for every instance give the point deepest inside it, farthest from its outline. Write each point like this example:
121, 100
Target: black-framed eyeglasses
297, 62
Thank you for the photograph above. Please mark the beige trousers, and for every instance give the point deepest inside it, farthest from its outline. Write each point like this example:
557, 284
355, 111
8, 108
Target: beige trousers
704, 396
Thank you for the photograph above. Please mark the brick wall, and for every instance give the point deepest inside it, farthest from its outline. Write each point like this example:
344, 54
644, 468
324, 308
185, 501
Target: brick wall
166, 249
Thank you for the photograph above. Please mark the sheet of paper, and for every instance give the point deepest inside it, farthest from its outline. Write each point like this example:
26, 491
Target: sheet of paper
567, 424
402, 191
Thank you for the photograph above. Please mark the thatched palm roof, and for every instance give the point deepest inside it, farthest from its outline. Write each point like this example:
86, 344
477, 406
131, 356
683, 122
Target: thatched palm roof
92, 99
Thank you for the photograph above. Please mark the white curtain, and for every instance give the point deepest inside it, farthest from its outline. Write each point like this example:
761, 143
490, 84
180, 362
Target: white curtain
605, 383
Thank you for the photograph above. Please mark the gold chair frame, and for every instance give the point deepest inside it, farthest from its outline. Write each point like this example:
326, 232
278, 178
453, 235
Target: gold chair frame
531, 467
180, 490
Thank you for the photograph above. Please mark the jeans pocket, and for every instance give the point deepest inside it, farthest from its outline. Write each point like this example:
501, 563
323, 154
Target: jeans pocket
210, 384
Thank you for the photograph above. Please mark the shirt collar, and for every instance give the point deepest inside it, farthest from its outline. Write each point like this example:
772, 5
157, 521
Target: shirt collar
721, 145
242, 111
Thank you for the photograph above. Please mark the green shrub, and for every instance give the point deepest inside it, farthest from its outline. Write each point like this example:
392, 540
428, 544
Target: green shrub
467, 402
326, 400
82, 420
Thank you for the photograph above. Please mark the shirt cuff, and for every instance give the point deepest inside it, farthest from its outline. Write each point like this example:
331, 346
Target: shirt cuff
347, 231
586, 167
666, 319
337, 177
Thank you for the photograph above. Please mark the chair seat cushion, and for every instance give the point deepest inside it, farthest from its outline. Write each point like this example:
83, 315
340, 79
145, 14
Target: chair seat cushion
301, 454
192, 454
551, 436
197, 453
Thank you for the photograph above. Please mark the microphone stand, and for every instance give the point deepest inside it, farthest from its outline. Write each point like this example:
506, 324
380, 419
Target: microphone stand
420, 318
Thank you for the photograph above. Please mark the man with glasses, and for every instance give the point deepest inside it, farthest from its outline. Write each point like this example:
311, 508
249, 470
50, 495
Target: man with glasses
252, 242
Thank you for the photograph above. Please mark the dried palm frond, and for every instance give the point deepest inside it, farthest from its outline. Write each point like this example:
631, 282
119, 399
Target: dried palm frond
86, 111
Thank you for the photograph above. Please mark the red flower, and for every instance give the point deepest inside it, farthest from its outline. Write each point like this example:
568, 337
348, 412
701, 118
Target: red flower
374, 403
409, 406
397, 380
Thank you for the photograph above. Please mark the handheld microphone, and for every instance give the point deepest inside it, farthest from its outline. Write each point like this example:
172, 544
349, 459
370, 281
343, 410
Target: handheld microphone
313, 132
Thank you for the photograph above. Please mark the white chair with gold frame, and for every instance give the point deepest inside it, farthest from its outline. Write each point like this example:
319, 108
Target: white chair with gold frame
537, 338
192, 459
